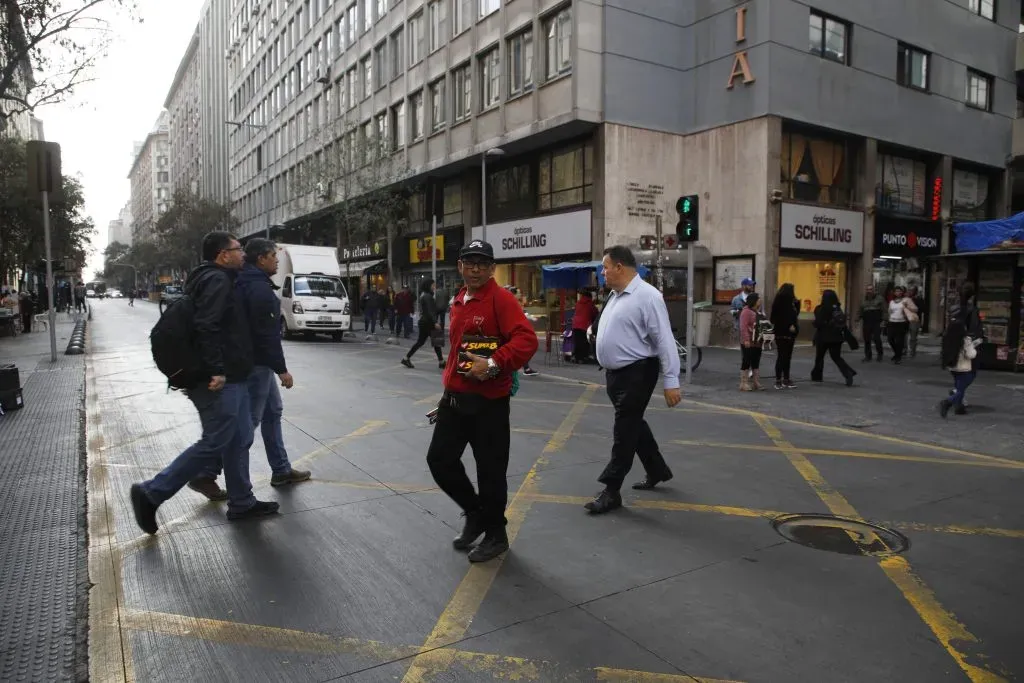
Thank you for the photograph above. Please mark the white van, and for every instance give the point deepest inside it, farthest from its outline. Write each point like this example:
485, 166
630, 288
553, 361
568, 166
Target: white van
313, 296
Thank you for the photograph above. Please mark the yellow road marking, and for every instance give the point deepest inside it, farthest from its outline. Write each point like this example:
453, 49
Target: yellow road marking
454, 621
496, 667
677, 409
852, 454
669, 505
369, 427
957, 529
946, 627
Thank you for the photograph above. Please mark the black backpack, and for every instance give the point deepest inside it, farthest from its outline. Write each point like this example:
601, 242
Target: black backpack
174, 347
838, 319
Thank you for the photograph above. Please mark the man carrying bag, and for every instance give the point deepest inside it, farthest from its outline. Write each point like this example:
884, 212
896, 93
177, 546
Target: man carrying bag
490, 339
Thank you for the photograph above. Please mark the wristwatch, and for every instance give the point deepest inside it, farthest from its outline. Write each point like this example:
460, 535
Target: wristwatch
492, 368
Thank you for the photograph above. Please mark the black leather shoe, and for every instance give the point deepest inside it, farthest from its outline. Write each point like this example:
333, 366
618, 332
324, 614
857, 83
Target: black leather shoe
471, 531
650, 482
494, 544
606, 501
261, 508
145, 511
944, 406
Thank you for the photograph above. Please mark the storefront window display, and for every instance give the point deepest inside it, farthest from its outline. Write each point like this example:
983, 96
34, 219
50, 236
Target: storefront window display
811, 277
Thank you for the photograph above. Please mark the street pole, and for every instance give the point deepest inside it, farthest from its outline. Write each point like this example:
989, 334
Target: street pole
433, 248
483, 195
49, 277
659, 272
690, 327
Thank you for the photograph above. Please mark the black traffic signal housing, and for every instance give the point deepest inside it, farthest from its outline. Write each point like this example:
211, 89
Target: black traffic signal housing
688, 227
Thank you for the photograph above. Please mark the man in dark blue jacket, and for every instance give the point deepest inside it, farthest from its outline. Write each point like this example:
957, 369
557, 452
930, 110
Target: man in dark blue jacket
263, 308
220, 394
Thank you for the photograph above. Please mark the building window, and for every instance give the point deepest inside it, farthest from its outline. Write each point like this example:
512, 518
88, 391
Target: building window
416, 113
367, 66
383, 139
984, 8
490, 78
558, 32
367, 142
380, 64
382, 8
352, 86
416, 39
488, 7
979, 90
398, 125
463, 11
436, 14
162, 177
815, 169
970, 196
351, 22
367, 15
520, 63
901, 185
912, 67
566, 177
397, 53
437, 110
828, 38
462, 83
452, 204
510, 193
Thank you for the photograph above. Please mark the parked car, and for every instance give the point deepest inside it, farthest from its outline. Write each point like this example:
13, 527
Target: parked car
90, 293
169, 295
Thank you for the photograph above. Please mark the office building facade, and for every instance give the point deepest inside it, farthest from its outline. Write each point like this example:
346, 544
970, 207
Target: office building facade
150, 178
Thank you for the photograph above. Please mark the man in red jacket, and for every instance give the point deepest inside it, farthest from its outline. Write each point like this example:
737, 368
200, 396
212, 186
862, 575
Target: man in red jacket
490, 339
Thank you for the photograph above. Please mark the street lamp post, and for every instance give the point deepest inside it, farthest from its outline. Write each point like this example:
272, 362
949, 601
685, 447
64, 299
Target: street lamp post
264, 191
493, 152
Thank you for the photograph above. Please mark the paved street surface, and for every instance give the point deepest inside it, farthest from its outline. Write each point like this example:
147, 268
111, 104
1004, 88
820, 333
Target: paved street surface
356, 580
43, 574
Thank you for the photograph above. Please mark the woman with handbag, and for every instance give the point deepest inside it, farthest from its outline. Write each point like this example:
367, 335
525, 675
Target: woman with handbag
831, 330
902, 311
785, 318
429, 326
960, 344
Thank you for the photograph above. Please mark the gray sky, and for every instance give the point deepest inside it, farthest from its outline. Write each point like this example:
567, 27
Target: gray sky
97, 128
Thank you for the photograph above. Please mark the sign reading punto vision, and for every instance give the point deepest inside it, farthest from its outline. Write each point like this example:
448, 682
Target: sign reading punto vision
818, 228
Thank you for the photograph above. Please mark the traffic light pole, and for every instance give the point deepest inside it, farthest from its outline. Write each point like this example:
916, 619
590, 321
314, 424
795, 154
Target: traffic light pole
690, 327
49, 277
659, 272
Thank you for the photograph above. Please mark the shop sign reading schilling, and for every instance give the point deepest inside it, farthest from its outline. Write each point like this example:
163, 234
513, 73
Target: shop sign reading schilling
818, 228
554, 235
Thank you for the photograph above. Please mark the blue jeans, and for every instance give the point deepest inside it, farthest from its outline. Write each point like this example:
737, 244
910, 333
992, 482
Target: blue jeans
370, 320
404, 325
961, 380
265, 409
227, 435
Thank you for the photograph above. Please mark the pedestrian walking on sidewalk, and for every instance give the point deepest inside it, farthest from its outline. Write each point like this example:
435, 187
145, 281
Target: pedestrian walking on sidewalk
872, 312
490, 339
430, 326
901, 312
785, 318
915, 320
960, 343
634, 345
218, 390
263, 311
830, 332
751, 344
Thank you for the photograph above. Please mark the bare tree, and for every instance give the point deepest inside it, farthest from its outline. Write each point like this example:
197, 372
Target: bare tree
356, 171
49, 47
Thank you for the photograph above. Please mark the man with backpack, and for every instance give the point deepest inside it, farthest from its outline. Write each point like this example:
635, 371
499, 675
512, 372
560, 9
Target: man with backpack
203, 345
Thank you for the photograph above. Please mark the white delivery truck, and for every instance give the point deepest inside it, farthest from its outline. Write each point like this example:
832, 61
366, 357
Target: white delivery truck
313, 297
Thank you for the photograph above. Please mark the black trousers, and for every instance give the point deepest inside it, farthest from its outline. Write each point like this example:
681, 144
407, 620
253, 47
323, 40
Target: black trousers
487, 432
750, 357
580, 345
425, 331
630, 390
784, 359
871, 332
836, 352
898, 338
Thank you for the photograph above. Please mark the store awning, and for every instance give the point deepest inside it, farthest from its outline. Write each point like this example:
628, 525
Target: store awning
357, 268
998, 235
568, 275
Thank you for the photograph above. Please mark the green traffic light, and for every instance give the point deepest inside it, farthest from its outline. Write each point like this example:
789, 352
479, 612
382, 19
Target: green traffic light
686, 205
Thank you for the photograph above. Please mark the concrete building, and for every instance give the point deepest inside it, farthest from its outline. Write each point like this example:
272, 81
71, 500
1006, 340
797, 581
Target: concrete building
14, 122
828, 162
197, 108
150, 178
120, 229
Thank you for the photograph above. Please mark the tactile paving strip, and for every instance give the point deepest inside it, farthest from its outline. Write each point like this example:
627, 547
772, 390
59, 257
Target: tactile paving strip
43, 545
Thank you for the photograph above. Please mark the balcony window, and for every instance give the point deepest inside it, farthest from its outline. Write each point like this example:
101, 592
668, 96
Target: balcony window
828, 38
416, 114
979, 90
487, 7
490, 78
462, 79
437, 108
912, 67
520, 63
558, 36
983, 8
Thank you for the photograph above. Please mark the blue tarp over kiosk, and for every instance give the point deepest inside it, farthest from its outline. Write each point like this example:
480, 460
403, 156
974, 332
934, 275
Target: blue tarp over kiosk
983, 235
576, 275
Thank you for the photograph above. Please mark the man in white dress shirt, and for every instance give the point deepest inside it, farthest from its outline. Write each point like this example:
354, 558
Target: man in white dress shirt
634, 345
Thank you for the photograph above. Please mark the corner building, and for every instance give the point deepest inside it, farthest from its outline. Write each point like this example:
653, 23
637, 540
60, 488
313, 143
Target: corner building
830, 142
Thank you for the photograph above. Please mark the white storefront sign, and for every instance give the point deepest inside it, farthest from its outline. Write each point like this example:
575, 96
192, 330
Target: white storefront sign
817, 228
555, 235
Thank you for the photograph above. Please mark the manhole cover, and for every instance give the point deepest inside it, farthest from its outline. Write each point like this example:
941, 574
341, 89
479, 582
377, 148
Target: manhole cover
841, 535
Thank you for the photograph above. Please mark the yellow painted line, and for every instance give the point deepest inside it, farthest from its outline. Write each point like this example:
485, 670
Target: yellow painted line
947, 629
956, 529
273, 638
850, 454
853, 432
454, 621
369, 427
110, 653
669, 505
677, 409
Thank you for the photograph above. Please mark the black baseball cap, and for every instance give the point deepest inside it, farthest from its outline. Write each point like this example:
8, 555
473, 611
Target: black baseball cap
477, 248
